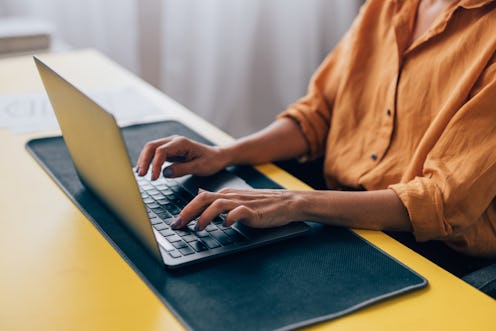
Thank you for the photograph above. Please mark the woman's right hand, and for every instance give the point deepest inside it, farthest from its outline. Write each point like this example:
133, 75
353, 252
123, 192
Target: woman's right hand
187, 157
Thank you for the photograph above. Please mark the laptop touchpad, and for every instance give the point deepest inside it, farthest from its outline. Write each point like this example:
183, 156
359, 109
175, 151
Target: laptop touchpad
213, 183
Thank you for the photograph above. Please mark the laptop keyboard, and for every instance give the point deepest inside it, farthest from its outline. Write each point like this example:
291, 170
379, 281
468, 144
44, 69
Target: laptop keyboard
164, 199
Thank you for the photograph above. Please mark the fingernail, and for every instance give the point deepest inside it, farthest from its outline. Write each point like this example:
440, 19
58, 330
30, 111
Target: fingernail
176, 223
167, 172
224, 223
197, 226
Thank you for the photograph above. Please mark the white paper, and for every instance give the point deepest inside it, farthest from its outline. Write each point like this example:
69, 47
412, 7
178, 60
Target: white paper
22, 113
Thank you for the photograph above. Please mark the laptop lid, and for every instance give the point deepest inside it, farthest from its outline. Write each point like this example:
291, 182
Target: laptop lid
99, 154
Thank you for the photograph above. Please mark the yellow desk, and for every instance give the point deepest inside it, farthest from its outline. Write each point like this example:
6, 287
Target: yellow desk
59, 273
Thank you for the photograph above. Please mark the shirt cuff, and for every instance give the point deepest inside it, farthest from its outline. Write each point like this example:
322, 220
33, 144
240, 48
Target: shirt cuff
424, 203
311, 130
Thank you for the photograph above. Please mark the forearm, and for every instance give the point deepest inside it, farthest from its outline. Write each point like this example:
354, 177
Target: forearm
373, 210
281, 140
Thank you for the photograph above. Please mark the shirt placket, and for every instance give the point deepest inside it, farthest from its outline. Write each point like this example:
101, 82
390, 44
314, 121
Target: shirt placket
385, 131
382, 140
403, 28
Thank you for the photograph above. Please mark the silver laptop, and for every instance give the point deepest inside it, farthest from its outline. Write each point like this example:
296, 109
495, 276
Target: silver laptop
145, 207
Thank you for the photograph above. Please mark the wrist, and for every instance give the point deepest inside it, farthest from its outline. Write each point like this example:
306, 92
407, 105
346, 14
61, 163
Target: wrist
227, 155
320, 206
235, 153
301, 204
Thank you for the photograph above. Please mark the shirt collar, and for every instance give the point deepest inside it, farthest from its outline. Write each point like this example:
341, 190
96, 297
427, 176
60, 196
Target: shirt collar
471, 4
467, 4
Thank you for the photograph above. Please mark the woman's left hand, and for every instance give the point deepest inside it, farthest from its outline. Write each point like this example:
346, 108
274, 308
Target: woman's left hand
254, 208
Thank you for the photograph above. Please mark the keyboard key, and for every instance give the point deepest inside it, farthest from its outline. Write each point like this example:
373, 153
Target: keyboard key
163, 201
202, 234
183, 194
175, 254
168, 221
161, 187
210, 242
177, 202
167, 232
211, 227
153, 205
222, 227
160, 226
155, 220
152, 191
179, 244
148, 200
166, 245
182, 233
167, 192
158, 196
230, 232
189, 238
163, 214
221, 237
218, 221
173, 210
191, 226
198, 246
186, 251
235, 235
171, 183
173, 238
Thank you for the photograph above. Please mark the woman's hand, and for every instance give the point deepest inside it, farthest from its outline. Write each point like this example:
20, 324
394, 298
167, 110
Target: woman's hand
373, 210
282, 140
188, 157
254, 208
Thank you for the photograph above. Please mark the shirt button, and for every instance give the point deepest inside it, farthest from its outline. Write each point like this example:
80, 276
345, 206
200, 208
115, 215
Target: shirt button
373, 156
388, 112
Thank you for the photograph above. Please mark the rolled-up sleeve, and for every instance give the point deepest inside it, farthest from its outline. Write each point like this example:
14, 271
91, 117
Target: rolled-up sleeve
313, 111
457, 182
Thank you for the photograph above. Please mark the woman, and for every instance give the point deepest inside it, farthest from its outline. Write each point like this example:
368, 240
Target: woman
403, 108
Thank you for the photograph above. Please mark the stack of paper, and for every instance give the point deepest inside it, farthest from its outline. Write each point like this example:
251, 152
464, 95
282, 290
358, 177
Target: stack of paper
23, 35
22, 113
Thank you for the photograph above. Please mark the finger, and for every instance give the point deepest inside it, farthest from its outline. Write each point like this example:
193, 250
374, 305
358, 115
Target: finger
158, 160
176, 150
230, 190
216, 208
194, 208
244, 194
240, 213
147, 153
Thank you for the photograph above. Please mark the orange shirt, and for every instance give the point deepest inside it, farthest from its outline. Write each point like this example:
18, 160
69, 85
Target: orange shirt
419, 119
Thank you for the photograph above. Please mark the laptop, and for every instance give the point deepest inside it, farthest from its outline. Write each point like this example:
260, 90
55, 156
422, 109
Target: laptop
146, 208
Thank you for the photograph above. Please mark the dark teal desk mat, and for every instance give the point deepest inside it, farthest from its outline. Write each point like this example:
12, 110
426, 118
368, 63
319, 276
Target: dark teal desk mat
324, 274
